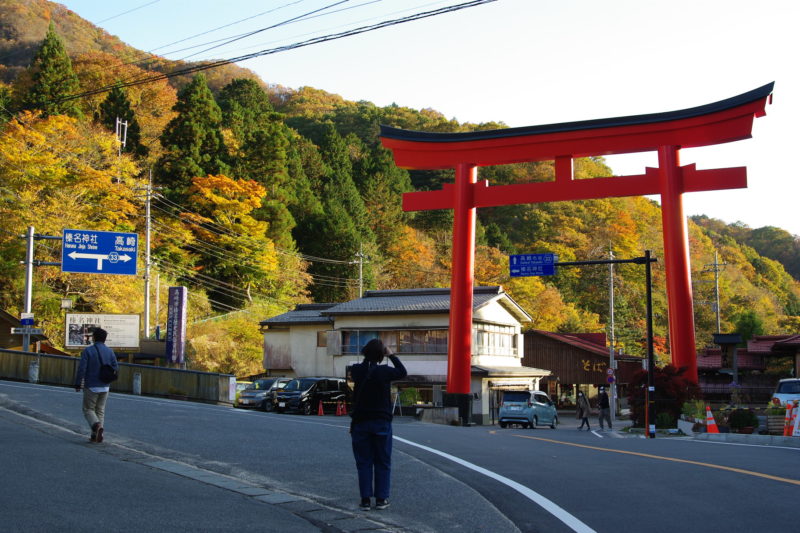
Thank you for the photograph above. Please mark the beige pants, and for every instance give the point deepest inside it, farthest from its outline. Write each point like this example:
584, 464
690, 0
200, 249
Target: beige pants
94, 407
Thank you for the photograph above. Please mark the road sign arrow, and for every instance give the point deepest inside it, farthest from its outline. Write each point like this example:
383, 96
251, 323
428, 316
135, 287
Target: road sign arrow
99, 257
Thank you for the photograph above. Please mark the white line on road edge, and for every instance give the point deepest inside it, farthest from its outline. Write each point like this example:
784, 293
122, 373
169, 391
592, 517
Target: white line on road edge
568, 519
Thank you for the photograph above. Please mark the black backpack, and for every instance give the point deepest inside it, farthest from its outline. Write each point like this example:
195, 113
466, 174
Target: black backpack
108, 373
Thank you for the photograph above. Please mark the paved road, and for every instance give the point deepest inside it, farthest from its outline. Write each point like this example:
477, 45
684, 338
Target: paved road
297, 472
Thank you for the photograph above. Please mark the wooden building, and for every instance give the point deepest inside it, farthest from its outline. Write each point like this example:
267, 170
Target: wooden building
578, 361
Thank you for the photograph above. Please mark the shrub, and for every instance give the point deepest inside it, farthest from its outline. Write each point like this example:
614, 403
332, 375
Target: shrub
740, 418
410, 396
665, 421
672, 391
694, 409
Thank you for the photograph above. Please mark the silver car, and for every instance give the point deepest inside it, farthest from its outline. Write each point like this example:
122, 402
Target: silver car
528, 409
788, 390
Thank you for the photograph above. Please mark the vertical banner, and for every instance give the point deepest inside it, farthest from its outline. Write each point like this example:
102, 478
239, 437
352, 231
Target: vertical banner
176, 324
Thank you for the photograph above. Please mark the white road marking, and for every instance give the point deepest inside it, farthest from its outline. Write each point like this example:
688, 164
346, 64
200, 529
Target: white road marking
569, 520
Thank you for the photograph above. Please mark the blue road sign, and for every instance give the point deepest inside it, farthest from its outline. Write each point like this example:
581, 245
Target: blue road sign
99, 252
532, 265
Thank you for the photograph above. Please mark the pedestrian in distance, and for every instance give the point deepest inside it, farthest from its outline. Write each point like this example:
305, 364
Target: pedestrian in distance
95, 390
582, 411
371, 425
604, 407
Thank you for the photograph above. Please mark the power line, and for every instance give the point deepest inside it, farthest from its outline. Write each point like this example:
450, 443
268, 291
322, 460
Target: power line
224, 26
128, 11
309, 42
277, 25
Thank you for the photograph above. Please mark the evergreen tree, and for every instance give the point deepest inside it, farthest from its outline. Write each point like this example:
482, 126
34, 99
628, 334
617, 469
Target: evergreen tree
192, 141
117, 106
245, 108
333, 235
260, 148
339, 186
53, 79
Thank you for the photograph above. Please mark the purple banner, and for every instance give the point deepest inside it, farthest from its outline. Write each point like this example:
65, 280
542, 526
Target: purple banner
176, 323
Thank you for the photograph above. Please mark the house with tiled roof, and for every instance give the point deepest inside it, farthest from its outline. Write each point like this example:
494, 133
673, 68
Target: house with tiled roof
749, 363
325, 339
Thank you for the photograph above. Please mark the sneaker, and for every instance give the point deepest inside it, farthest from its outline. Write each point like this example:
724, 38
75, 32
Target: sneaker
364, 505
381, 504
100, 434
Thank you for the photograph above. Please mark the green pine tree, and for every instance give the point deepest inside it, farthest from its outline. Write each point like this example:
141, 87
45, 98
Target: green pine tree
117, 106
192, 141
53, 79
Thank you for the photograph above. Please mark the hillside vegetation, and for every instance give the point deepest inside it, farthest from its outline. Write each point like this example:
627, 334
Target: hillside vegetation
267, 197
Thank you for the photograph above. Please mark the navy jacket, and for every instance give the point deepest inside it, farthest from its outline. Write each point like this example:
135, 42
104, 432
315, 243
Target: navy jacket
372, 398
89, 367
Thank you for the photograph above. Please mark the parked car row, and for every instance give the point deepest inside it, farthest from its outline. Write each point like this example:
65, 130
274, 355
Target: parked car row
296, 395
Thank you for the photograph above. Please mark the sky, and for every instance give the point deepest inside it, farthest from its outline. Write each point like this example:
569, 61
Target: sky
523, 63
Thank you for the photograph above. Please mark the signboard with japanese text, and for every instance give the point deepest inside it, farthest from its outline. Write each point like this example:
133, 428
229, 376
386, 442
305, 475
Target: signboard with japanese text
176, 324
99, 252
522, 265
123, 330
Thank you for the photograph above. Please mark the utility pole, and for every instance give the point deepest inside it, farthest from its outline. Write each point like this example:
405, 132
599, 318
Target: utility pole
716, 267
121, 132
147, 261
149, 194
360, 260
612, 341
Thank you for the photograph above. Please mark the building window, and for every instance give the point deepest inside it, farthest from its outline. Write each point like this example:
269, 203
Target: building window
422, 341
492, 339
322, 339
353, 341
403, 341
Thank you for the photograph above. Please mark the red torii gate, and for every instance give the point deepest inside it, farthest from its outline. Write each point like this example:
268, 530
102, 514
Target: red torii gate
725, 121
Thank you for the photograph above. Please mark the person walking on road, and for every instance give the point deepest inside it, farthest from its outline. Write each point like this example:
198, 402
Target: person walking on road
582, 411
371, 427
605, 408
95, 390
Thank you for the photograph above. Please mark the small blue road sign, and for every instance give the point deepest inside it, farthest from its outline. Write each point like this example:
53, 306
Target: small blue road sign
532, 265
99, 252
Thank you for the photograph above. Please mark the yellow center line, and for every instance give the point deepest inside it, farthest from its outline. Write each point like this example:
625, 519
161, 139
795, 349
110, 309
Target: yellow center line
673, 459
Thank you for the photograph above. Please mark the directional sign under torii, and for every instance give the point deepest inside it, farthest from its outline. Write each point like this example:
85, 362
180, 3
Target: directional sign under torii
99, 252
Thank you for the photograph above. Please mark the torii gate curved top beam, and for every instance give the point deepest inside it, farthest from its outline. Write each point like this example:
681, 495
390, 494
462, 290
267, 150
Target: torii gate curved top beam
720, 122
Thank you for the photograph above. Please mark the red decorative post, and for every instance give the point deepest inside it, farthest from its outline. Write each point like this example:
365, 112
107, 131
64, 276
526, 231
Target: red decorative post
677, 262
459, 347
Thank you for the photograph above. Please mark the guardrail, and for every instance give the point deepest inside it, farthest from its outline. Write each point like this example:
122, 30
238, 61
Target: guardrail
136, 379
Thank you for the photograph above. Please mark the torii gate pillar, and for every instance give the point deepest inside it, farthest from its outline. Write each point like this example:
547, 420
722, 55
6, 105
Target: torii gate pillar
720, 122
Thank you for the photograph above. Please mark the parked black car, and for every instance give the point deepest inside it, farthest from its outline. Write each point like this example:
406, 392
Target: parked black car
261, 393
271, 399
305, 395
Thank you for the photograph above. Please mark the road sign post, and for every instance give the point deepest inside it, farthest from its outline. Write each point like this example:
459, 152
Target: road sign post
99, 252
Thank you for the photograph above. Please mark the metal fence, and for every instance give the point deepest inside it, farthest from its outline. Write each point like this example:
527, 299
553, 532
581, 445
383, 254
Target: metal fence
137, 379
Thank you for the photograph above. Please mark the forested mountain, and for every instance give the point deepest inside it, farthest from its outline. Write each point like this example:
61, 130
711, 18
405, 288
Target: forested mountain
268, 197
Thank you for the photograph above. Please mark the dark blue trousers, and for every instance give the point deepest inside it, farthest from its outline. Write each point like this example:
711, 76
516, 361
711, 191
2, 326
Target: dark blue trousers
372, 449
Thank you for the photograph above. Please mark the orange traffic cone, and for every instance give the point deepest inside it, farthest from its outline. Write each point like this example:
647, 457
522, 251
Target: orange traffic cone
344, 408
791, 414
320, 412
711, 424
338, 408
787, 420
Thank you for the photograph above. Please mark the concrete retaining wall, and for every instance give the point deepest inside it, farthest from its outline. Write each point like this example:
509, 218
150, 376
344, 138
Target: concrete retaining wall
155, 381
